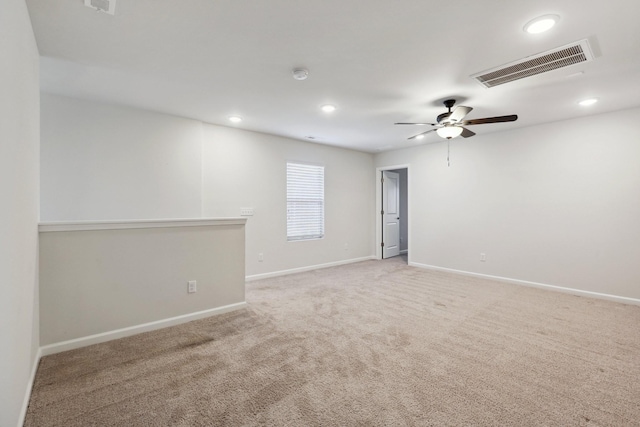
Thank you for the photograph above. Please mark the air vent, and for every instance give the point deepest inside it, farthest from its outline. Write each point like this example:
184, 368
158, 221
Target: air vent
107, 6
574, 53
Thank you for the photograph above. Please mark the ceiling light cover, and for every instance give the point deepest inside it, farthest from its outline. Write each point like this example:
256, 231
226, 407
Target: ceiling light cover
587, 102
328, 108
235, 119
541, 24
449, 132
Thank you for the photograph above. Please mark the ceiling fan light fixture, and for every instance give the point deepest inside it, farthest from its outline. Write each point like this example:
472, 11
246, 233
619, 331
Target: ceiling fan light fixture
450, 124
541, 24
449, 132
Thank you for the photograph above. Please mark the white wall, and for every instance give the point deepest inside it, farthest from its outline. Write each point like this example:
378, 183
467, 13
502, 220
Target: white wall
556, 204
103, 162
248, 169
19, 139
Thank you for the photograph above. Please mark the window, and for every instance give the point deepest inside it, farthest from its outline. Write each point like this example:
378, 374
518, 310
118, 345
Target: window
305, 201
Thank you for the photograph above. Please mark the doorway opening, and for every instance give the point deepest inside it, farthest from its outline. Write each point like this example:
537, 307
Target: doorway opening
392, 230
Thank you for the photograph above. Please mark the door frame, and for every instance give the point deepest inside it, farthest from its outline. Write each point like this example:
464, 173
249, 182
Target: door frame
391, 213
379, 207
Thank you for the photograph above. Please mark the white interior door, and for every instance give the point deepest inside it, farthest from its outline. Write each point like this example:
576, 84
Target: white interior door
390, 214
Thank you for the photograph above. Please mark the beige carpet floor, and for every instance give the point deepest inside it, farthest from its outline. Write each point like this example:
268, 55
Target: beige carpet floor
369, 344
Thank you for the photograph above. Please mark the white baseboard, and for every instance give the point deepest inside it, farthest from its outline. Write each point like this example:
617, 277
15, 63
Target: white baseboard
572, 291
253, 277
27, 393
133, 330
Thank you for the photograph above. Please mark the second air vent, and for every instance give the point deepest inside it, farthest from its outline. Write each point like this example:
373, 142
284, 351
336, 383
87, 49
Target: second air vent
560, 57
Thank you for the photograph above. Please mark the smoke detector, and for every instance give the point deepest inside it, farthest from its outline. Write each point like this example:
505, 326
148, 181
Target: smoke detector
300, 74
107, 6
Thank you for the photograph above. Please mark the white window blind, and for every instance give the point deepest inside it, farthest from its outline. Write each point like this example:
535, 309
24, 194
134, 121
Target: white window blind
305, 201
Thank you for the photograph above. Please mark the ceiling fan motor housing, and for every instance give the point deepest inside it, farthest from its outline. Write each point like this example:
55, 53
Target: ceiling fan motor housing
442, 118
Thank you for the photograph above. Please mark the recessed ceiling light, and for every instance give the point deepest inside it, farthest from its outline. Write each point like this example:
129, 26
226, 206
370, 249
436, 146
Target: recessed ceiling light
328, 108
541, 24
587, 102
235, 119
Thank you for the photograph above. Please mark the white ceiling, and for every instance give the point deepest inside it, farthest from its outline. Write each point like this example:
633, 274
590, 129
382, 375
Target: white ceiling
378, 61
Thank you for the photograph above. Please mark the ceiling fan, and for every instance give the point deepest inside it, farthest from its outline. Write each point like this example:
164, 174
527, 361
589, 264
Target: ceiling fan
451, 124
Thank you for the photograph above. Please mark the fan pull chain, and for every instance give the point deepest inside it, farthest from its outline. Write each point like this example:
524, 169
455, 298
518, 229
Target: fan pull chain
448, 162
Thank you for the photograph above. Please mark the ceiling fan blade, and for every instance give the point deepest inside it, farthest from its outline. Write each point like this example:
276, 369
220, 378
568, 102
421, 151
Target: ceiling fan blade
418, 124
458, 114
499, 119
466, 133
415, 136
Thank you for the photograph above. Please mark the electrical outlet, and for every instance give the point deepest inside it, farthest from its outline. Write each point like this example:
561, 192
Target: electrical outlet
246, 211
192, 287
260, 257
483, 256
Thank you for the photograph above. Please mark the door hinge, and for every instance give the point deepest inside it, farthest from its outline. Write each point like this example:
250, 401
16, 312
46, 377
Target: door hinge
381, 212
382, 180
382, 244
